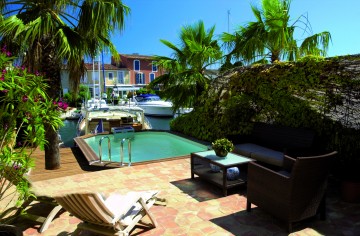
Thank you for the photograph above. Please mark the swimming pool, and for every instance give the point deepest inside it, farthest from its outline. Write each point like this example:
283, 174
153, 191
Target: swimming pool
146, 146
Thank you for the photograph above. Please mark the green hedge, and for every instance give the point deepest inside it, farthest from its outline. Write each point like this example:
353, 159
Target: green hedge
314, 92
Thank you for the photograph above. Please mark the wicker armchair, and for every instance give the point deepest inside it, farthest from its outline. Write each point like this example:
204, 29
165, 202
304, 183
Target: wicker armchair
295, 193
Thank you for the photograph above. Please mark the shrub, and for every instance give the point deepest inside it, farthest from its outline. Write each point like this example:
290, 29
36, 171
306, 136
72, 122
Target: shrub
24, 110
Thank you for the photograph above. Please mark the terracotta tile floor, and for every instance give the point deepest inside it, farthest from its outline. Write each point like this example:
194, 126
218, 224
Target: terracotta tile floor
194, 207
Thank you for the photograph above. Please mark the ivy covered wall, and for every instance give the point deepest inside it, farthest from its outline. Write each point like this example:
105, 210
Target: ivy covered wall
317, 93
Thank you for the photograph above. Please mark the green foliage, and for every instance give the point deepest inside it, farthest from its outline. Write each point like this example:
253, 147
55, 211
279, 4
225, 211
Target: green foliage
76, 99
146, 91
186, 79
24, 111
271, 36
316, 93
223, 144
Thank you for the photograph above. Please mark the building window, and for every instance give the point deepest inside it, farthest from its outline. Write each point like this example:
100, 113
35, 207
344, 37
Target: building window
152, 76
136, 65
111, 76
121, 77
154, 67
140, 78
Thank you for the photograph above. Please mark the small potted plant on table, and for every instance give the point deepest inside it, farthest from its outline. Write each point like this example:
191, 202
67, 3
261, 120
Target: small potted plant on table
222, 147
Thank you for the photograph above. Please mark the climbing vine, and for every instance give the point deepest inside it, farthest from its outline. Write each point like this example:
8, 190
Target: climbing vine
314, 92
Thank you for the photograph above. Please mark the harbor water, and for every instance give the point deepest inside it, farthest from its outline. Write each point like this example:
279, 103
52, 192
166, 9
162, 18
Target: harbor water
68, 131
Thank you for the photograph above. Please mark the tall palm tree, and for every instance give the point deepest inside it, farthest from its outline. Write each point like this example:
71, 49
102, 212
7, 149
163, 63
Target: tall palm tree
186, 76
272, 36
45, 33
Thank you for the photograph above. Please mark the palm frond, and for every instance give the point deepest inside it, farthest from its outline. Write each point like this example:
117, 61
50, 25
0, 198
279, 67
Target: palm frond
316, 44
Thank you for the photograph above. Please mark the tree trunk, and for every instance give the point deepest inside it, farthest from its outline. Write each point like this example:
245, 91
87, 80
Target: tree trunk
50, 66
52, 156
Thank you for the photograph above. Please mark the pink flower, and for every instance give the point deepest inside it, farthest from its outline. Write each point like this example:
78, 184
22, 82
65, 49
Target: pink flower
65, 105
25, 98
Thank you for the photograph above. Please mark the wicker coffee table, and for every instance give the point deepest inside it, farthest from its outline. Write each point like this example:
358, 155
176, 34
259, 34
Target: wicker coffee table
200, 166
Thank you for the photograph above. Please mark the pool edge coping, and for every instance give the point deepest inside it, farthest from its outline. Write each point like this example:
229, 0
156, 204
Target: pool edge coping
93, 158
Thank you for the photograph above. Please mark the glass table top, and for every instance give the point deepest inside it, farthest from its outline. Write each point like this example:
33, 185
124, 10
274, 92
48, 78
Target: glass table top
230, 159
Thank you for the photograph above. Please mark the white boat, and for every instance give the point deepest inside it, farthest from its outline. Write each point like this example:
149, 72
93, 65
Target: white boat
153, 105
184, 111
97, 120
96, 103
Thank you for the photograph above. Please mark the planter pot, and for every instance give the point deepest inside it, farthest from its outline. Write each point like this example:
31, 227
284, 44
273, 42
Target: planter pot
220, 152
350, 191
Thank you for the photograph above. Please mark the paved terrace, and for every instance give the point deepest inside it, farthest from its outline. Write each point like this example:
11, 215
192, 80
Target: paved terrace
193, 206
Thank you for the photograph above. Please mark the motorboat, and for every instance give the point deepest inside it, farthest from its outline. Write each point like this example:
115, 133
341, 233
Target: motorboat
96, 103
97, 120
153, 105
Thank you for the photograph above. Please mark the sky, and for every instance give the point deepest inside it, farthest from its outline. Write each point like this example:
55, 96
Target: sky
150, 21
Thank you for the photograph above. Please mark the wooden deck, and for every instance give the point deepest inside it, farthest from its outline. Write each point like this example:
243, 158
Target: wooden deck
72, 162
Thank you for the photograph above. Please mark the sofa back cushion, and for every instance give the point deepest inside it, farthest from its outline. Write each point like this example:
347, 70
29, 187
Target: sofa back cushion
281, 137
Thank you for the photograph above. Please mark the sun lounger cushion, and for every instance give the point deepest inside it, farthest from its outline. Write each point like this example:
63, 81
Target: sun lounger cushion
115, 202
115, 215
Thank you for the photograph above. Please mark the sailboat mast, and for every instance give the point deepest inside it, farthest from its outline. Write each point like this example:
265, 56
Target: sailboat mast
99, 78
93, 79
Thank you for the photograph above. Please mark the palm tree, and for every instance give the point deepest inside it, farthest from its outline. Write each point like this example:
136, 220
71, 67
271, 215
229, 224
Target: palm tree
186, 76
45, 33
272, 36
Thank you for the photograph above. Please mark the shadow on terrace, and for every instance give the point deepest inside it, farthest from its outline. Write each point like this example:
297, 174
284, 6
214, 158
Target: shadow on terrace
194, 207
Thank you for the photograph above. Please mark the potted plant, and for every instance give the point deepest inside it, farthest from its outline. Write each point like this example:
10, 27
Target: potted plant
222, 147
347, 165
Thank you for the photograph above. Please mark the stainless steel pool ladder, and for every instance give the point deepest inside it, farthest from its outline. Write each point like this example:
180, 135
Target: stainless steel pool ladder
100, 149
109, 150
122, 151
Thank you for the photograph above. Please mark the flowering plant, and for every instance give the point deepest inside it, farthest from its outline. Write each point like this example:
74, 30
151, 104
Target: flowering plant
24, 109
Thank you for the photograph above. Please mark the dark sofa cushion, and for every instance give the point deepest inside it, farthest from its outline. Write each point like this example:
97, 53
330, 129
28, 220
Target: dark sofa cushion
268, 143
281, 138
260, 153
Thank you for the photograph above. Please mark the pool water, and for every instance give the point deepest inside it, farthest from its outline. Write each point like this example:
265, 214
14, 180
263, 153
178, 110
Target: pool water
146, 146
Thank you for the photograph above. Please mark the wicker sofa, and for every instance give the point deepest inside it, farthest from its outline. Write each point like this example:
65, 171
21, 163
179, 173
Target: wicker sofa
269, 143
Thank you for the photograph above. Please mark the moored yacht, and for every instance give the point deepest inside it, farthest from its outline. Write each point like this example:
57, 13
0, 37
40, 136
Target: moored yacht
153, 105
98, 120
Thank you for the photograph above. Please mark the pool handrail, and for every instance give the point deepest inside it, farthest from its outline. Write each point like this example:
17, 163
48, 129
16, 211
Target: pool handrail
100, 149
122, 151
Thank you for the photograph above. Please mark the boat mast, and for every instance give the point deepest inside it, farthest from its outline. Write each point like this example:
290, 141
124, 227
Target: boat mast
99, 80
93, 79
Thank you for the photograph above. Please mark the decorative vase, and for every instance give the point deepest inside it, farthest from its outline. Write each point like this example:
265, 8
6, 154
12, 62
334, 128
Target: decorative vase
221, 152
233, 173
